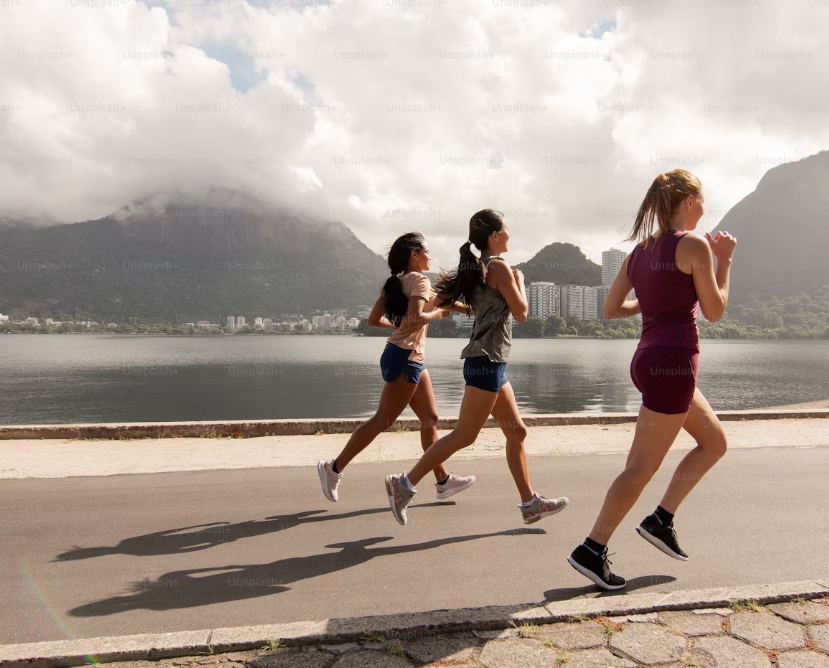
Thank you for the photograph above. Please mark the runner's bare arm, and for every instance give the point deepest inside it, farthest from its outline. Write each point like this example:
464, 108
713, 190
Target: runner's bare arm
511, 285
616, 304
377, 316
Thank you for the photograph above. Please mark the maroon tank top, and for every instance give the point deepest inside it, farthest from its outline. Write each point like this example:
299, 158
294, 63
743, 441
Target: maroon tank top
666, 295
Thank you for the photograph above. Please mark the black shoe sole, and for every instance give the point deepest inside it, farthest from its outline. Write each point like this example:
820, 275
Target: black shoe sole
586, 572
656, 542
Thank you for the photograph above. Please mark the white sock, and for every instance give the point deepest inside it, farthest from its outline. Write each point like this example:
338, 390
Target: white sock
530, 502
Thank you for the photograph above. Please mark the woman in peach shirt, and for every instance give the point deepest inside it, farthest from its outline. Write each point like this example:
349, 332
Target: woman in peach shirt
406, 305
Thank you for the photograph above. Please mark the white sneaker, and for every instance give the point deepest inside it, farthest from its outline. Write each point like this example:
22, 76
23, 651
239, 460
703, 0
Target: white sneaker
453, 485
330, 480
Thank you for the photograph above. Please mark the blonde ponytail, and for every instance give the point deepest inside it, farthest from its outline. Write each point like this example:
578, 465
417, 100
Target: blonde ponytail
665, 194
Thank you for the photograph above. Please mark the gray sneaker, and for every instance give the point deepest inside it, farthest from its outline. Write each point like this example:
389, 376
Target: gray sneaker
453, 485
330, 480
542, 507
399, 497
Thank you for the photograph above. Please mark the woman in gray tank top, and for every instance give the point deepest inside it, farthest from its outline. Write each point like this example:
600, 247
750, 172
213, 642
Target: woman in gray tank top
495, 294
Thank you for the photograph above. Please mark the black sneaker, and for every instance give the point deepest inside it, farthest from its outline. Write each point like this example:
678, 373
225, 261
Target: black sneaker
663, 537
596, 567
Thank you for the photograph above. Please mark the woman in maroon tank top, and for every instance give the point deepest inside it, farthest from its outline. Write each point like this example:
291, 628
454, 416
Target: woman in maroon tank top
672, 271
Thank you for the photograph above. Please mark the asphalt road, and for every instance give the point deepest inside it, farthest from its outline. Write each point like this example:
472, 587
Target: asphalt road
83, 557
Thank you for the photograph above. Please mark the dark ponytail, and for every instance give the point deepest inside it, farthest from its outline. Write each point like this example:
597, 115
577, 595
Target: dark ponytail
397, 303
461, 284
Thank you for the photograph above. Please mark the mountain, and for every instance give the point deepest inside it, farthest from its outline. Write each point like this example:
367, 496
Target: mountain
563, 264
185, 259
782, 231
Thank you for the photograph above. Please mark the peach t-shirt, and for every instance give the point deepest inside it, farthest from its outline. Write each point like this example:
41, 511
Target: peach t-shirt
413, 337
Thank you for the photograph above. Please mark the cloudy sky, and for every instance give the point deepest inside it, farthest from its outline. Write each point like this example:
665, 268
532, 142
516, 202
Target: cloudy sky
393, 115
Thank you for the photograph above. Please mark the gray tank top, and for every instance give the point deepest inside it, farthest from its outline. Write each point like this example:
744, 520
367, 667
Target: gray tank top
492, 328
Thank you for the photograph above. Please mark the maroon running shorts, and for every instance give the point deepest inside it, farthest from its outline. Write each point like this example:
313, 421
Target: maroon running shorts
666, 376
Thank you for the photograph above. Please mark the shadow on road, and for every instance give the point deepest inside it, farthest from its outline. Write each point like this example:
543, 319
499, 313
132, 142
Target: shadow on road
567, 593
204, 536
208, 586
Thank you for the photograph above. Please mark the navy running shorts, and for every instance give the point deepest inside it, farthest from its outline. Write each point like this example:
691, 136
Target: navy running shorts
666, 376
395, 360
484, 374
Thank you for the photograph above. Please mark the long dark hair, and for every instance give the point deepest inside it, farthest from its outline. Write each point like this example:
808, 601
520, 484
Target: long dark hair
460, 284
397, 303
665, 194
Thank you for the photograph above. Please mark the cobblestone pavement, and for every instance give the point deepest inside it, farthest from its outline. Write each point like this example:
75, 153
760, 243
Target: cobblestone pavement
746, 635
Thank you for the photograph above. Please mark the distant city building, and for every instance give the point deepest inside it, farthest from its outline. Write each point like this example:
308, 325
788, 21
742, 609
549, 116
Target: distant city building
601, 296
463, 322
611, 264
202, 325
363, 311
571, 298
544, 299
590, 303
240, 322
306, 326
34, 322
327, 321
267, 323
212, 327
4, 318
230, 327
354, 322
257, 322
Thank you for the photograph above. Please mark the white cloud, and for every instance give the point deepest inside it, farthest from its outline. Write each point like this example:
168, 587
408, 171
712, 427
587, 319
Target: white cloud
394, 115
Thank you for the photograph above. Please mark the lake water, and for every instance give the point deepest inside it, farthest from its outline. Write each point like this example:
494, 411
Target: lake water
116, 378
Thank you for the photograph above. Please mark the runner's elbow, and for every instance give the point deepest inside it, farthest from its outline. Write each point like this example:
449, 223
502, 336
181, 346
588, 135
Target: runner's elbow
714, 314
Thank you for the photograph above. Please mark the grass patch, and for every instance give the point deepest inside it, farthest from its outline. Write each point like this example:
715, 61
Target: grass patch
750, 605
273, 645
395, 647
577, 618
690, 661
610, 627
528, 630
373, 636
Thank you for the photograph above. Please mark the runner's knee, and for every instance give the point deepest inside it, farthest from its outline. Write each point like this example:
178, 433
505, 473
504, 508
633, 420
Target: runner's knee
715, 442
515, 432
465, 437
429, 422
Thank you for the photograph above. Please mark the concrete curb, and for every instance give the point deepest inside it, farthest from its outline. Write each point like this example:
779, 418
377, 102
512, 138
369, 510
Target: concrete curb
310, 427
407, 626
